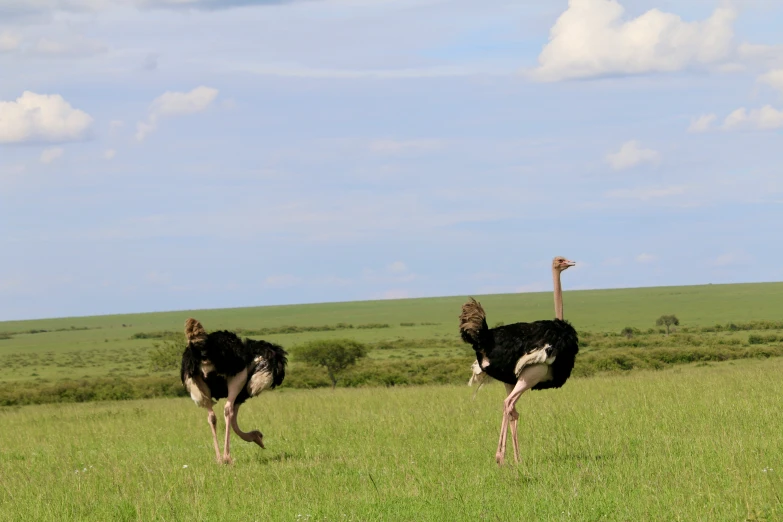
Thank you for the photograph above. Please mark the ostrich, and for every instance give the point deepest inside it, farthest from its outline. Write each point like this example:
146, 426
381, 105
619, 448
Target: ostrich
524, 356
219, 365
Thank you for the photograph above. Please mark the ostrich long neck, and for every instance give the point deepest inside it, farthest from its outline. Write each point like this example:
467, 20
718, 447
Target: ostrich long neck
558, 294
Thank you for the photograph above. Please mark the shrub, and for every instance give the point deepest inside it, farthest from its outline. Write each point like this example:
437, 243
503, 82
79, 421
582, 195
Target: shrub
668, 321
336, 355
165, 334
167, 355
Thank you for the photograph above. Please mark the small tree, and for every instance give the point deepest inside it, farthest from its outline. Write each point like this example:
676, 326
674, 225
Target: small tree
668, 321
627, 332
336, 355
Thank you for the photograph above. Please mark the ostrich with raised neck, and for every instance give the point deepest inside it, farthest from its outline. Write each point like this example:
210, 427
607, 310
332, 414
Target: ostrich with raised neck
524, 356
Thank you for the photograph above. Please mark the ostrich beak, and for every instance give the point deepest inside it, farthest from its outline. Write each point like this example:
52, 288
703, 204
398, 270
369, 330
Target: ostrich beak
570, 263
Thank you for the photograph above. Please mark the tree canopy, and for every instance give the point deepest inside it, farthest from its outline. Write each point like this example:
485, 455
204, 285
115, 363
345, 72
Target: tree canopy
336, 355
668, 321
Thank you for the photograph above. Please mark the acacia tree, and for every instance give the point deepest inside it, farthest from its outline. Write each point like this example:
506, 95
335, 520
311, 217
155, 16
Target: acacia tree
668, 321
336, 355
627, 332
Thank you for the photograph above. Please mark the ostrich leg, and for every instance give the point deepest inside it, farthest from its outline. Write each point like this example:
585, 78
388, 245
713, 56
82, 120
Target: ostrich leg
212, 420
201, 394
528, 378
513, 419
235, 385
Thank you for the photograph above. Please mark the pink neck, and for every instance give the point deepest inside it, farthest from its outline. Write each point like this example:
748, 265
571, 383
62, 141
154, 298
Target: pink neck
558, 294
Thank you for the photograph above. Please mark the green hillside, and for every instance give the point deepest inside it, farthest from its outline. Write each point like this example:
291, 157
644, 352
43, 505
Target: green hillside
118, 345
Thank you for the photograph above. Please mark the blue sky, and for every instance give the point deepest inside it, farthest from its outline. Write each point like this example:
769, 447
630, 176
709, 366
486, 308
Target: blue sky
162, 155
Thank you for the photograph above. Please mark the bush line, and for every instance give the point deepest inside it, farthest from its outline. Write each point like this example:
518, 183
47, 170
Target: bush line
371, 373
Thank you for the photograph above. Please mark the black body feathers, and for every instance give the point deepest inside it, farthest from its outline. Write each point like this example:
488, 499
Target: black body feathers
504, 345
225, 354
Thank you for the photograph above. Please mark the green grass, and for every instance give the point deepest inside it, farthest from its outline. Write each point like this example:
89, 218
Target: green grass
689, 443
51, 350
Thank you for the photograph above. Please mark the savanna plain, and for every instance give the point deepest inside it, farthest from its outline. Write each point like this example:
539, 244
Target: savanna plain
684, 425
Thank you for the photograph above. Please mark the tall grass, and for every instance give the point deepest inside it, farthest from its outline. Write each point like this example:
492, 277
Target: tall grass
690, 443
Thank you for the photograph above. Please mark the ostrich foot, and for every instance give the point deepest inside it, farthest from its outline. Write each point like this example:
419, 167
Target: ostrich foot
227, 459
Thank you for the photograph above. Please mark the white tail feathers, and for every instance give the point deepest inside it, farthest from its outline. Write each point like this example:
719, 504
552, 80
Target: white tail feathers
478, 377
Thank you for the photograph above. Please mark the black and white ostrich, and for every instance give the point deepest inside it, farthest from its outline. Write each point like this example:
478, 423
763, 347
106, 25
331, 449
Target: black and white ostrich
524, 356
221, 365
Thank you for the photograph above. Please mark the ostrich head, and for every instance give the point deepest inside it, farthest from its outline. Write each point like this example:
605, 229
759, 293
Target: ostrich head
560, 263
257, 437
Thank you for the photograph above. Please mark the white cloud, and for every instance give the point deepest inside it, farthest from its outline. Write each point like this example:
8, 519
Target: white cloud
397, 267
51, 154
181, 103
703, 123
282, 281
171, 104
41, 117
765, 118
630, 155
645, 258
592, 38
144, 128
109, 154
9, 42
646, 193
773, 78
732, 259
398, 147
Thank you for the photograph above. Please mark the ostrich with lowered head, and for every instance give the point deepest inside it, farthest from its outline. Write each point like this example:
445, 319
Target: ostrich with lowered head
524, 356
221, 365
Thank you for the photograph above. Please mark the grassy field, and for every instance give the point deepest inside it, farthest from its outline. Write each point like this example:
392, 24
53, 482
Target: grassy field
689, 443
410, 329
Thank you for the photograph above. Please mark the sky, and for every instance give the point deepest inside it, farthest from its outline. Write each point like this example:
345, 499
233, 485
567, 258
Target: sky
184, 154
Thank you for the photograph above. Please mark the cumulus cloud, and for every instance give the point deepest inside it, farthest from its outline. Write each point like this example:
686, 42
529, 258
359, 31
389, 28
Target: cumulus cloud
773, 78
765, 118
645, 258
630, 155
49, 155
109, 154
397, 267
9, 42
592, 38
172, 104
41, 117
703, 123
